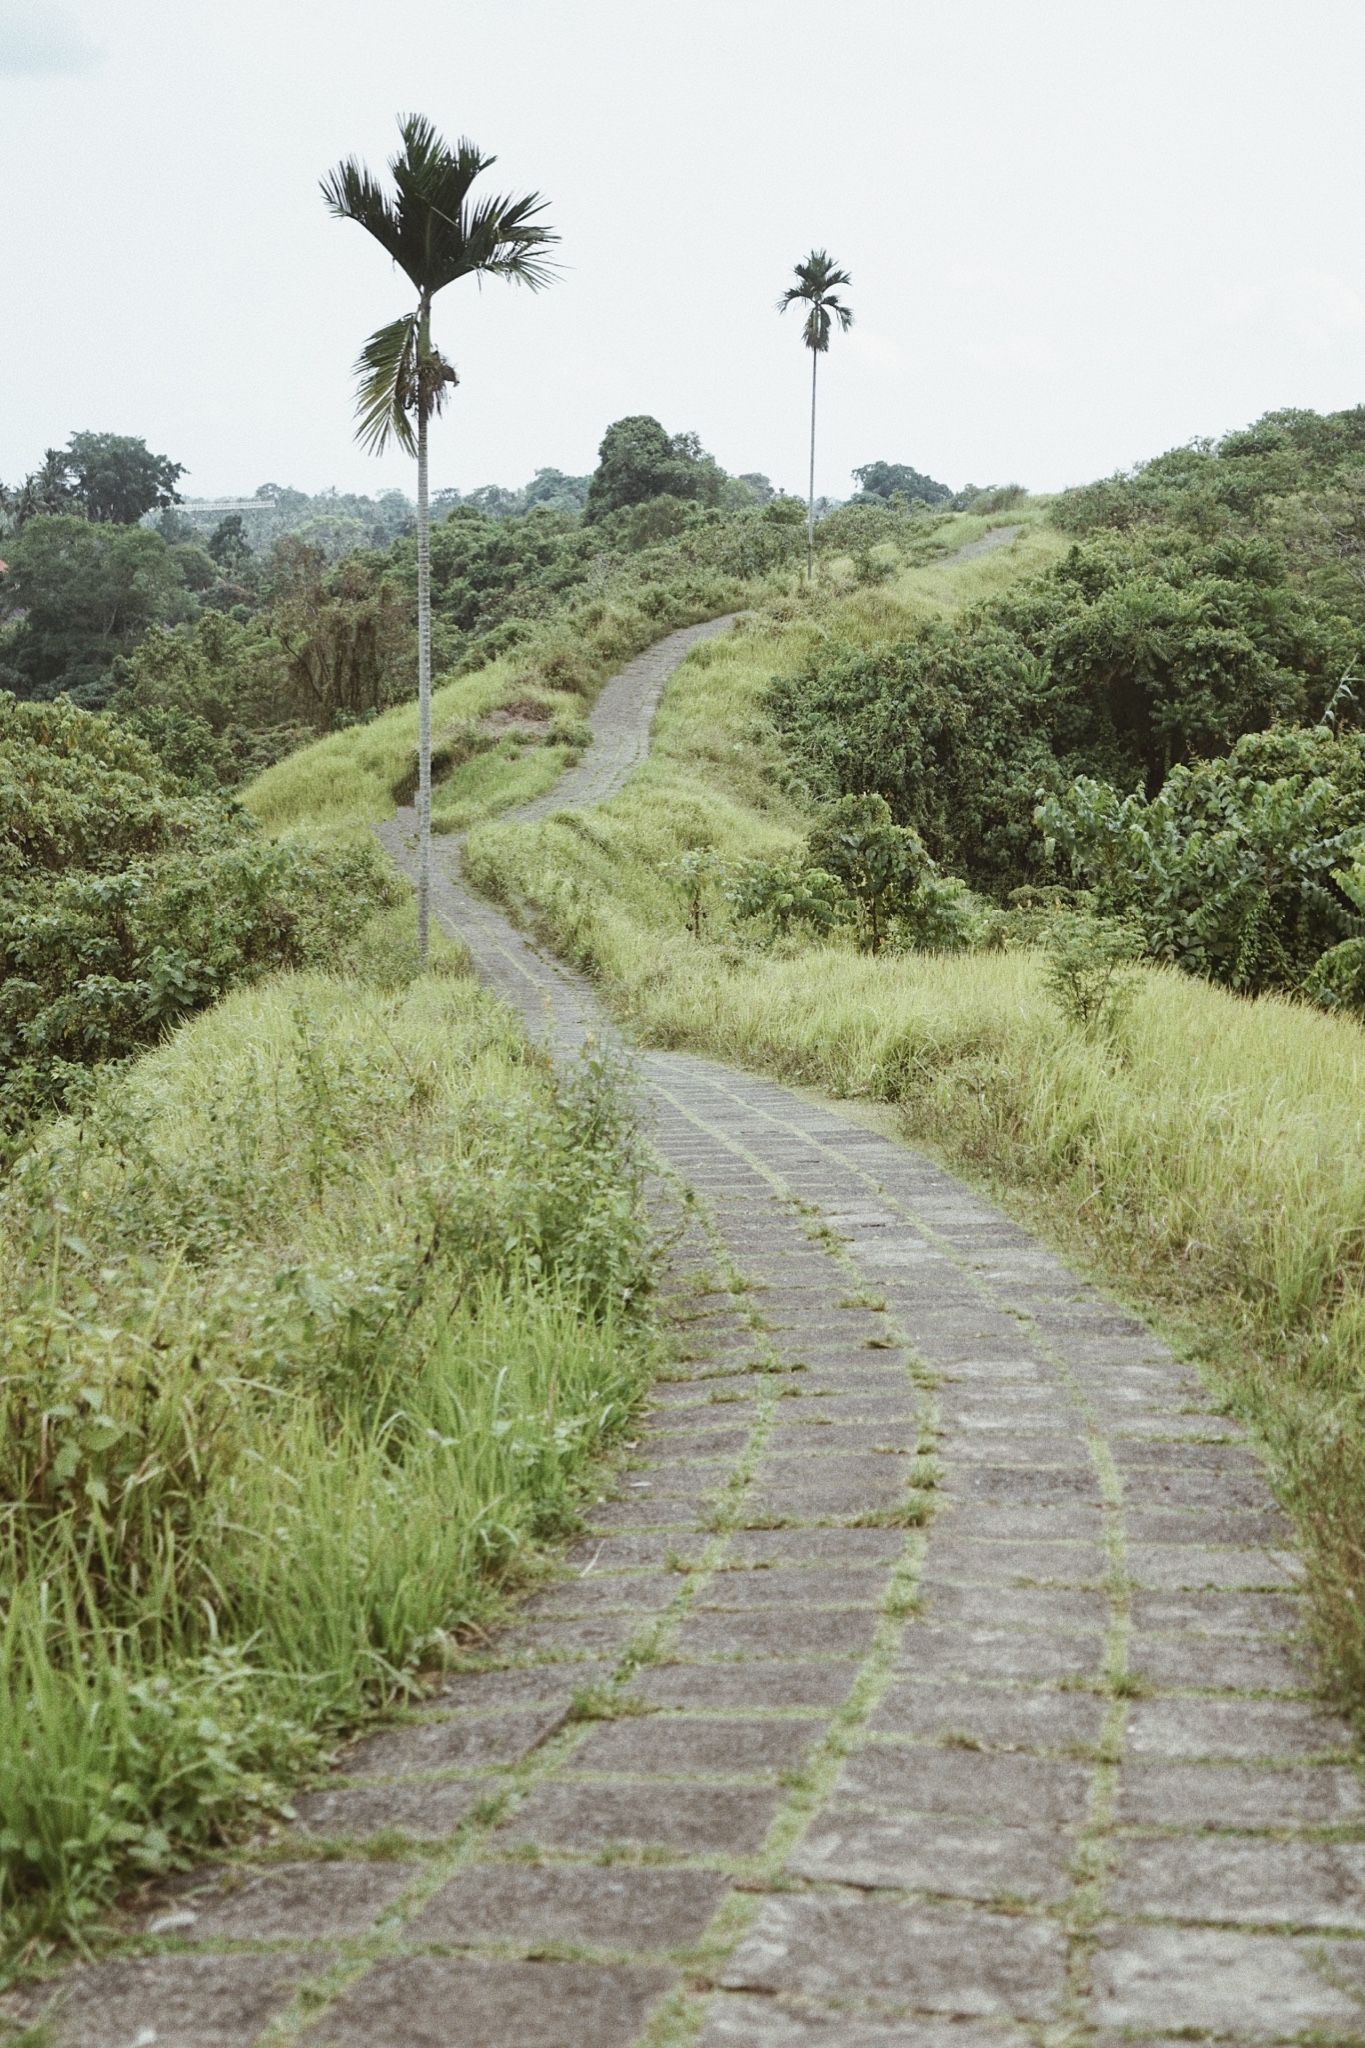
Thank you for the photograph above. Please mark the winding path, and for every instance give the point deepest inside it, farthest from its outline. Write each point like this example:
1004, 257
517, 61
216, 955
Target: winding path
783, 1761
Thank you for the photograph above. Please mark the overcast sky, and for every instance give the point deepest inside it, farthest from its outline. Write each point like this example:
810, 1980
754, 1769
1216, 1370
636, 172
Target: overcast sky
1080, 231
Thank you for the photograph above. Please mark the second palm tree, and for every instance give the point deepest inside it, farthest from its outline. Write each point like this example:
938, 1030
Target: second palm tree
435, 232
817, 279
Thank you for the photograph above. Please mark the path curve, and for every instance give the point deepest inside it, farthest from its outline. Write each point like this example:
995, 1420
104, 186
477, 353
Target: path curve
1098, 1716
1042, 1770
998, 537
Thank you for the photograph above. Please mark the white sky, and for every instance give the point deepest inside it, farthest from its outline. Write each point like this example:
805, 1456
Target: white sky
1080, 231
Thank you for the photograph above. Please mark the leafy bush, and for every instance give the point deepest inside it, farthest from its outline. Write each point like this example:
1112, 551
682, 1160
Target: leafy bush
1134, 655
1211, 487
78, 595
1232, 870
126, 903
859, 870
787, 896
940, 726
879, 864
1089, 972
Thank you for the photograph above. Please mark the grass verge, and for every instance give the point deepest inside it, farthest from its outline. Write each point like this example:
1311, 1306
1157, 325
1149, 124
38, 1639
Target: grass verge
312, 1327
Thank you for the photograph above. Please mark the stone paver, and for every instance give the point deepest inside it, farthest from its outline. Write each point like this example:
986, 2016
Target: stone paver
431, 2002
613, 1908
913, 1732
693, 1820
421, 1810
174, 2001
877, 1955
327, 1901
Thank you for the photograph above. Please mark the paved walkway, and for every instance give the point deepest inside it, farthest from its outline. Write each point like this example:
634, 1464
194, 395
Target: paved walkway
998, 537
930, 1683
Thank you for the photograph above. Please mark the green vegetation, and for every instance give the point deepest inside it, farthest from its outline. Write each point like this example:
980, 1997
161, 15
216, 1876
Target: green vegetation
888, 480
1243, 868
225, 659
1201, 1152
112, 479
933, 838
126, 904
1163, 718
503, 731
312, 1323
638, 462
315, 1316
81, 595
1125, 658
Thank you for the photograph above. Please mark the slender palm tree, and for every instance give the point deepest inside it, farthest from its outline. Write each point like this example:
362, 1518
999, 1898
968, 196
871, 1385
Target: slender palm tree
817, 278
435, 233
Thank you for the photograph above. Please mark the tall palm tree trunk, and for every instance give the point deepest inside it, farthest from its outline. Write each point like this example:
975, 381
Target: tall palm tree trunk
423, 690
810, 498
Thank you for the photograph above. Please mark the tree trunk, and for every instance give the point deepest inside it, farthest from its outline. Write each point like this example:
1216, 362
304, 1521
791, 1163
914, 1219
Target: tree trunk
423, 691
810, 499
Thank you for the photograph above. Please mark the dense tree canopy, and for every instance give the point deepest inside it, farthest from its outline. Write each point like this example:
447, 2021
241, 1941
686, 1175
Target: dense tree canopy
638, 460
113, 479
1136, 653
81, 594
887, 480
118, 479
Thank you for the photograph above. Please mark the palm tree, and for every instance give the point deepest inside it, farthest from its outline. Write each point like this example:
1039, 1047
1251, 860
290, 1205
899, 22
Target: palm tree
435, 233
817, 278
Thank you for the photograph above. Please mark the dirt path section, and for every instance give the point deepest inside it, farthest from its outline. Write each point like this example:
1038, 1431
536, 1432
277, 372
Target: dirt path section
931, 1681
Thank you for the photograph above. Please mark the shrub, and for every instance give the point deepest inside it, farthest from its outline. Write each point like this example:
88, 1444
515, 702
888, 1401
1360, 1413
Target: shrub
879, 864
1089, 972
1232, 871
126, 903
785, 895
1133, 655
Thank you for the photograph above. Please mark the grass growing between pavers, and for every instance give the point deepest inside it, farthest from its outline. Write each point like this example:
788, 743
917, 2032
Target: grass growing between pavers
699, 1960
1206, 1162
313, 1326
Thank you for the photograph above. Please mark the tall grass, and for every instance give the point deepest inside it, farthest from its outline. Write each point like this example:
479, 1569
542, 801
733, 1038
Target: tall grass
311, 1328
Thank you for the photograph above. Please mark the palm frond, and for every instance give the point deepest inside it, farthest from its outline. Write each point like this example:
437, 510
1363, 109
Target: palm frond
817, 280
352, 193
386, 395
429, 227
435, 234
502, 238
